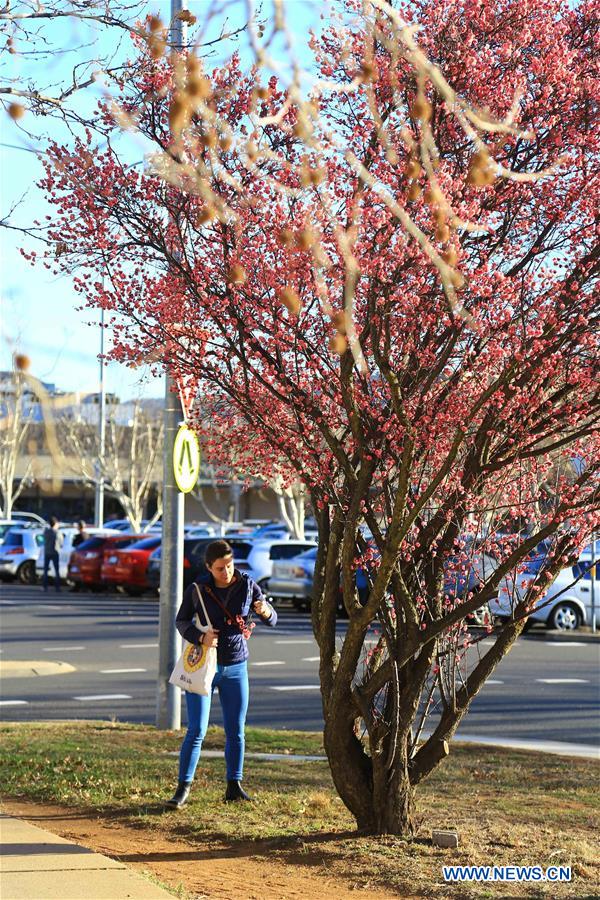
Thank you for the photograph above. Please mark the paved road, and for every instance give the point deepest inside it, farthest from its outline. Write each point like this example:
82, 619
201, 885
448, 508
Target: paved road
544, 690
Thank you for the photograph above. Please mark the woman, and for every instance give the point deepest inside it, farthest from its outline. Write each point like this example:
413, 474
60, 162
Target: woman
229, 597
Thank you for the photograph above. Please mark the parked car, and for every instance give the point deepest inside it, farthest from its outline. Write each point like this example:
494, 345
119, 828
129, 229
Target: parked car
465, 572
85, 563
132, 561
19, 552
566, 605
257, 557
292, 579
64, 554
193, 561
110, 577
20, 520
125, 525
200, 531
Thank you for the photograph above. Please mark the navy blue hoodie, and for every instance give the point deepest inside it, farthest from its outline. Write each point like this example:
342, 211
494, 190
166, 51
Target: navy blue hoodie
238, 598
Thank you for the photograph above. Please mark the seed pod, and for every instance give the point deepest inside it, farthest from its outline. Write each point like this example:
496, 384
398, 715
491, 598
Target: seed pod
22, 362
440, 216
178, 114
206, 214
442, 234
186, 16
369, 71
251, 150
199, 87
285, 237
306, 238
290, 300
236, 274
157, 47
338, 344
338, 318
450, 256
414, 191
192, 64
421, 108
316, 176
155, 24
209, 139
481, 169
413, 168
16, 111
433, 195
262, 92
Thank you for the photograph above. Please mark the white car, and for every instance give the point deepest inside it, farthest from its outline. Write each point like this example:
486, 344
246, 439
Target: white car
18, 553
20, 520
64, 554
567, 604
255, 557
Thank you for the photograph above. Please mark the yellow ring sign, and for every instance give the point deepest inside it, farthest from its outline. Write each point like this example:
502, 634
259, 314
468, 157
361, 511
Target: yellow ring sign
186, 459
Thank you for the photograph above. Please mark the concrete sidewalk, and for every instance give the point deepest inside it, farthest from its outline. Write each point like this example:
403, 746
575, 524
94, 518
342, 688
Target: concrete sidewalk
37, 865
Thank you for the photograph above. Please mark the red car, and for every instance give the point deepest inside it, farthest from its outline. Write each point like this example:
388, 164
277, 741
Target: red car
131, 564
85, 563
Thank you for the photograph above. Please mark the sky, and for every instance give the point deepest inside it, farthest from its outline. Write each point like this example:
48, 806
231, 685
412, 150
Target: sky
38, 311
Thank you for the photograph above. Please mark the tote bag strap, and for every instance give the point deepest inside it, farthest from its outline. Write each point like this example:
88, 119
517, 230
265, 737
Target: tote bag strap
201, 599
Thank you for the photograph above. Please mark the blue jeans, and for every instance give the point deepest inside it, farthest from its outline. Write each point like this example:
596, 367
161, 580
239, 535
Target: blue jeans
232, 682
51, 558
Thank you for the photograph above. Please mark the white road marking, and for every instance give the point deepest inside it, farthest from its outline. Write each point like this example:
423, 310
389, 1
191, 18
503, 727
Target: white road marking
56, 649
120, 671
8, 603
296, 687
564, 644
135, 646
14, 702
562, 680
274, 662
295, 642
311, 658
494, 681
105, 697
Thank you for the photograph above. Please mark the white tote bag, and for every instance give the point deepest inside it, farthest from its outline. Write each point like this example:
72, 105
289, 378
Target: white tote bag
195, 669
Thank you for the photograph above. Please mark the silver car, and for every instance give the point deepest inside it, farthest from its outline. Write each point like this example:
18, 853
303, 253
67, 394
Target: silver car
292, 579
566, 605
19, 552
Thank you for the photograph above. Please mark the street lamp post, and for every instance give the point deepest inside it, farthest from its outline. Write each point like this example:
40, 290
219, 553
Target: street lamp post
168, 704
99, 494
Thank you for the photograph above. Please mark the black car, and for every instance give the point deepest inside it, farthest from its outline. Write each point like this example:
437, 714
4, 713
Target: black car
193, 559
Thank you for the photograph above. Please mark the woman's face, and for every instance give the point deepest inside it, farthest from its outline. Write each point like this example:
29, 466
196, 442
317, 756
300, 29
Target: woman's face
222, 571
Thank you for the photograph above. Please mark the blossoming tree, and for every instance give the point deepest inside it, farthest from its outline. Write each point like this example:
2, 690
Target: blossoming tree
393, 279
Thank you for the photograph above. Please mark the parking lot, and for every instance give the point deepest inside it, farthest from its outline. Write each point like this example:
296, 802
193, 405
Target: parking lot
546, 689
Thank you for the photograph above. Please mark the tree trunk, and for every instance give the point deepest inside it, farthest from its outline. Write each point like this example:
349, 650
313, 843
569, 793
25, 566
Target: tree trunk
393, 795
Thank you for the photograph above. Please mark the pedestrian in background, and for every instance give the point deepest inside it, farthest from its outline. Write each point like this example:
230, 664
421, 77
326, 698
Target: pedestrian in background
229, 596
81, 535
53, 541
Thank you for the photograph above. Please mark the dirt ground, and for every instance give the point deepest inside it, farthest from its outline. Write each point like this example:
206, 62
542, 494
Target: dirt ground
212, 872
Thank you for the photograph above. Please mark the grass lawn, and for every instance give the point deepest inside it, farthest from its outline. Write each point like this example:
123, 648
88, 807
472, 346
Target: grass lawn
510, 807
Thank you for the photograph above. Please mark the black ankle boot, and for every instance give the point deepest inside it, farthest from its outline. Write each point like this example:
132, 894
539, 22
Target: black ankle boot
181, 795
235, 791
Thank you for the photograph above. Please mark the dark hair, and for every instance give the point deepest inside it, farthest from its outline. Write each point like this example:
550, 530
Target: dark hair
216, 550
81, 524
53, 521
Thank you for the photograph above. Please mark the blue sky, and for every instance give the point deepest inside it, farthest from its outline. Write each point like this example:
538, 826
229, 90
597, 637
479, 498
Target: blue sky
38, 314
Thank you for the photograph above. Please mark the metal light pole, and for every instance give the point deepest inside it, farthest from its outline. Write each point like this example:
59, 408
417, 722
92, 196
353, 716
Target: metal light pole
99, 495
168, 701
